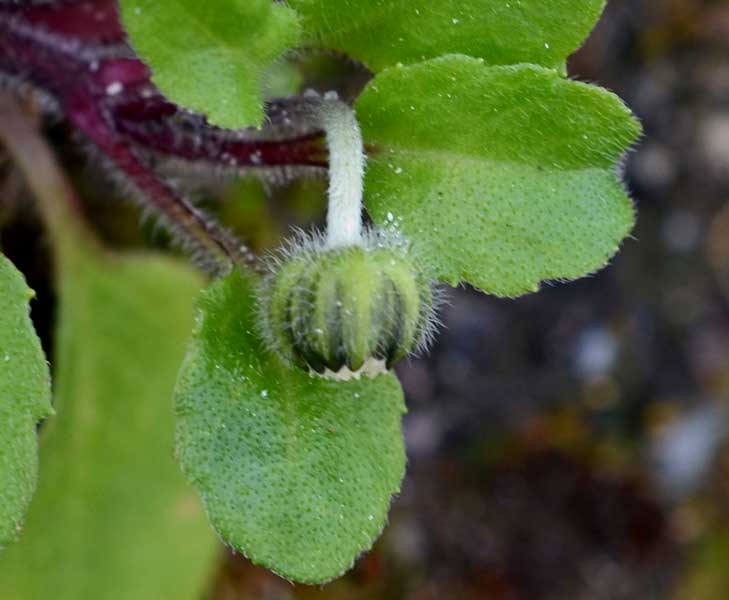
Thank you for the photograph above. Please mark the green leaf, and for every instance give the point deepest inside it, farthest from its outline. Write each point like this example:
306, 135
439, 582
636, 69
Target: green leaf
25, 399
211, 56
502, 177
296, 471
113, 517
382, 33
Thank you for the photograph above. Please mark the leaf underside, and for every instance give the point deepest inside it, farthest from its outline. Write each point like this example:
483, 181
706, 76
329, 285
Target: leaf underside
113, 517
211, 56
25, 399
296, 472
502, 177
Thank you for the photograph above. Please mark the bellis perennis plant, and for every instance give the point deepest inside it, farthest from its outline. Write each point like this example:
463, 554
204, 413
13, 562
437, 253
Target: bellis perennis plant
473, 155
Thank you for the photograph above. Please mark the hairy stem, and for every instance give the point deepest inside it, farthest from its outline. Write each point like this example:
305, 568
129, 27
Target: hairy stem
221, 148
212, 245
346, 172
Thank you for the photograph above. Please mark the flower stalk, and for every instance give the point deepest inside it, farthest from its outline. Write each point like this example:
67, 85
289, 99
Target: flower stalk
346, 172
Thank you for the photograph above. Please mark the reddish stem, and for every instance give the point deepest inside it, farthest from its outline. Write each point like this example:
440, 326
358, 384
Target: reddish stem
74, 50
213, 245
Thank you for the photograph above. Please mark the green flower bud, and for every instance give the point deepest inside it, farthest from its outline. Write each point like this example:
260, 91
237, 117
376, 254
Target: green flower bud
345, 311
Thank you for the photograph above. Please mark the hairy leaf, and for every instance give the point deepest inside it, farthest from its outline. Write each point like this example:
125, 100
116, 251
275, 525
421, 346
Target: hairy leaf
502, 177
25, 398
382, 33
296, 472
211, 56
113, 517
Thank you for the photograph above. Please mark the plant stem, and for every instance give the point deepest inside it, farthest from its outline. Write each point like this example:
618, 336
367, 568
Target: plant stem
214, 247
30, 152
346, 172
216, 147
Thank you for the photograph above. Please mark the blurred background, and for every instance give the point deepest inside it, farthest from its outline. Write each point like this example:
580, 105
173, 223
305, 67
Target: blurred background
572, 444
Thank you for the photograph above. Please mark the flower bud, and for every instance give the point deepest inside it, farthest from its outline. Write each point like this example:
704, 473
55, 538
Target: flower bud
344, 311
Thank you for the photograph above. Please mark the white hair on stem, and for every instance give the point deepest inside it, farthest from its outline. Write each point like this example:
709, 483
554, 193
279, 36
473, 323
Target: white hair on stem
346, 172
